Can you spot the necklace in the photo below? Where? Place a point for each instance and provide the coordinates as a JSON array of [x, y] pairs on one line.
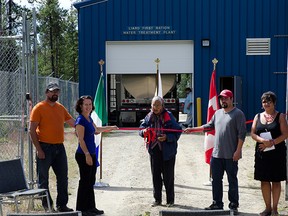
[[269, 117]]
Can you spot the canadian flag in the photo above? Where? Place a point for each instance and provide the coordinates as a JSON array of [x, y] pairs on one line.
[[212, 107]]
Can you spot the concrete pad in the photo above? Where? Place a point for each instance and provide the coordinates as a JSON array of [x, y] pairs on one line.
[[192, 213]]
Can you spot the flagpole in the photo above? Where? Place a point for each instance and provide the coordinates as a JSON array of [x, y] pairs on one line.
[[209, 136], [101, 63], [157, 61], [286, 189], [214, 61], [101, 184]]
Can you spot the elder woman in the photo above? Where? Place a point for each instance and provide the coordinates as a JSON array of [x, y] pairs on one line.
[[164, 133]]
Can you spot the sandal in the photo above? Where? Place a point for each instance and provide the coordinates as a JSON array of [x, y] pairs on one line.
[[275, 213], [266, 213]]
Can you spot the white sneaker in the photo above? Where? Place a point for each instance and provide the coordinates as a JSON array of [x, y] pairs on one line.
[[209, 183]]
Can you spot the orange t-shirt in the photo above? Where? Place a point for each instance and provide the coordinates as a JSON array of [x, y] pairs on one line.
[[51, 121]]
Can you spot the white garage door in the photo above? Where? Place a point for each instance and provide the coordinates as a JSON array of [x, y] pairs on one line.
[[138, 57]]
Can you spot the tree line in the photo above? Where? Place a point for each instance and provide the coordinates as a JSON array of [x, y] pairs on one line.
[[57, 35]]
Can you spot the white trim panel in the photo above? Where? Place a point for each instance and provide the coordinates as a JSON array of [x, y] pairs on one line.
[[138, 57]]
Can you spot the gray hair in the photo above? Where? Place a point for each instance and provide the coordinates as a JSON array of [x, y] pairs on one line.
[[158, 98]]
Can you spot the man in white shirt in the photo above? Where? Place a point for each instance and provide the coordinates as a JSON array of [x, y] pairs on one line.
[[188, 105]]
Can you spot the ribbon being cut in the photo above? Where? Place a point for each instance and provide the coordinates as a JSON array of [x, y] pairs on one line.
[[151, 132]]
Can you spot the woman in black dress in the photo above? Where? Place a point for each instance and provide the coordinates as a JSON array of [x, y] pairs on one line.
[[269, 130]]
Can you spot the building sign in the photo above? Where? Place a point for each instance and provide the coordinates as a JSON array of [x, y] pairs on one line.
[[149, 30]]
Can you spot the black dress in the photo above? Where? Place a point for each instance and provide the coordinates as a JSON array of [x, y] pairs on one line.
[[270, 165]]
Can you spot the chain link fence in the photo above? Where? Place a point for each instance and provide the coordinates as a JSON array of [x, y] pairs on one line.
[[21, 88], [19, 81], [11, 102]]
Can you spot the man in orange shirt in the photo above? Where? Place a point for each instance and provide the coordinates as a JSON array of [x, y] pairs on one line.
[[47, 133]]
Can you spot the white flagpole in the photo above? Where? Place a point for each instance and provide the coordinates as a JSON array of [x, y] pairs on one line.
[[286, 191], [100, 183], [210, 136], [158, 91]]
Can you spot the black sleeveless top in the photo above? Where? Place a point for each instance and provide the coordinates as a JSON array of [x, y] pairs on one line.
[[270, 165]]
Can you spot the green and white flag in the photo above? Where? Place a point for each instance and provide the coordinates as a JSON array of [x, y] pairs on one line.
[[99, 115]]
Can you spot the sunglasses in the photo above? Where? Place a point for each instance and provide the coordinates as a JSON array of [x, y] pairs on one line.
[[86, 97], [267, 102]]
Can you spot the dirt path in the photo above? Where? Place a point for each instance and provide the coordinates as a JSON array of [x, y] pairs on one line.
[[126, 169]]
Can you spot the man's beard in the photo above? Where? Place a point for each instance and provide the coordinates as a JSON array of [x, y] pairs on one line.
[[54, 98], [224, 105]]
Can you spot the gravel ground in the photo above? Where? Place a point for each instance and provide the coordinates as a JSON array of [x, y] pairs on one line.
[[126, 169]]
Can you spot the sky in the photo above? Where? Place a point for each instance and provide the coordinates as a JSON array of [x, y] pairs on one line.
[[63, 3]]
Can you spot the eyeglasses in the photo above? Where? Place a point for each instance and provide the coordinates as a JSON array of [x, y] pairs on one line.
[[267, 102]]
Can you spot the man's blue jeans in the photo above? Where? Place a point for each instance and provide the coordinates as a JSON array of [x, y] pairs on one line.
[[218, 166], [55, 157]]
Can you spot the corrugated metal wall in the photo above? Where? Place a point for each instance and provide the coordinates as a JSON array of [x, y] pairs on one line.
[[226, 23]]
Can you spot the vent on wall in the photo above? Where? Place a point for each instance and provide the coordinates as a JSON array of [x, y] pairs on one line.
[[258, 46]]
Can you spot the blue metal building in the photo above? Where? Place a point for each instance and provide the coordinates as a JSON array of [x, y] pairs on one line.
[[248, 37]]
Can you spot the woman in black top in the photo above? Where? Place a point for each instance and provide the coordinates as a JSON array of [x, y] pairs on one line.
[[269, 130]]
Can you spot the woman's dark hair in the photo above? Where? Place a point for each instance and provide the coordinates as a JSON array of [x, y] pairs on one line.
[[269, 96], [80, 102]]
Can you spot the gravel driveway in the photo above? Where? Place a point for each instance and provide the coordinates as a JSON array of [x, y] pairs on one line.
[[126, 169]]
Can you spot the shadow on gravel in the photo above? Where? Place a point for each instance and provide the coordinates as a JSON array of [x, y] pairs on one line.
[[115, 188], [200, 213], [121, 188], [209, 187]]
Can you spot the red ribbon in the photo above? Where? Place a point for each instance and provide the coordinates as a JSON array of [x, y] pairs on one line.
[[149, 136], [151, 132]]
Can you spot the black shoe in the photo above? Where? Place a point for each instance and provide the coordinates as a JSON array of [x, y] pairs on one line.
[[235, 211], [96, 211], [156, 203], [64, 209], [170, 204], [234, 208], [47, 209], [87, 213], [214, 206]]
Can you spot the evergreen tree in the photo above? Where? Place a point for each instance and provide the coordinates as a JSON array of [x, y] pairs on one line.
[[71, 46], [57, 36], [51, 29]]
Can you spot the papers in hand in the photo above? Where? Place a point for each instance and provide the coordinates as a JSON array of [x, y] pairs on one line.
[[267, 136]]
